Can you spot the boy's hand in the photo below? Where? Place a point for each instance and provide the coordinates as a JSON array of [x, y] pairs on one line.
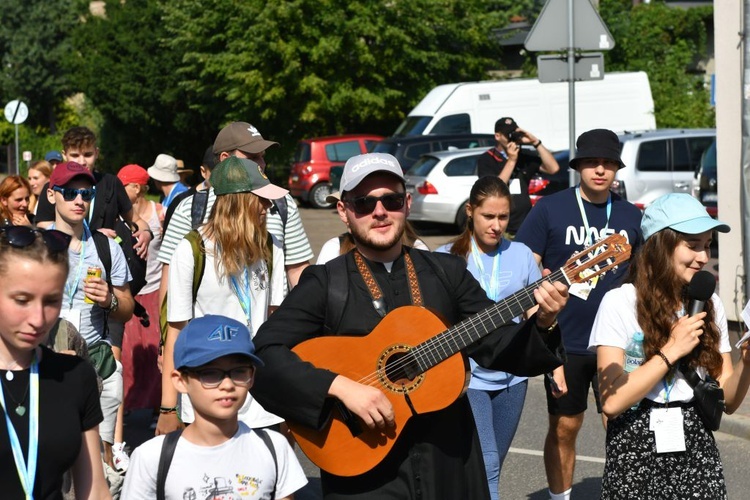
[[167, 423], [97, 290]]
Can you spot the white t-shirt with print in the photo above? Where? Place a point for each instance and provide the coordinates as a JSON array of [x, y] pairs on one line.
[[241, 467], [616, 323], [215, 296]]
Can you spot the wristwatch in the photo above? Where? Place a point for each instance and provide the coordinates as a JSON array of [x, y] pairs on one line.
[[114, 303]]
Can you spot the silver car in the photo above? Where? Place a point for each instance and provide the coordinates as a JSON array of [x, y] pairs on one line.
[[440, 183]]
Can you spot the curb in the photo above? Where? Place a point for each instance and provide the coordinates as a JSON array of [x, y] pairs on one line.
[[736, 425]]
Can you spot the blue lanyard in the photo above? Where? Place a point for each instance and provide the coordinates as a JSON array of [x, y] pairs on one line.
[[26, 473], [72, 286], [586, 220], [668, 388], [243, 295], [492, 289]]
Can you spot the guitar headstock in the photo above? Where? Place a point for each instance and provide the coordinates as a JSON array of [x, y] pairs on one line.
[[597, 259]]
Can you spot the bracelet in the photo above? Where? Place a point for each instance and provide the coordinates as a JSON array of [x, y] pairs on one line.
[[167, 409], [662, 356], [538, 143]]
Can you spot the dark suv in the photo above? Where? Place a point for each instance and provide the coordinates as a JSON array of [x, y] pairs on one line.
[[310, 175], [407, 150]]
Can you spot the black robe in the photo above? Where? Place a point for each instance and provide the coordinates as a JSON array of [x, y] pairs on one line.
[[437, 455]]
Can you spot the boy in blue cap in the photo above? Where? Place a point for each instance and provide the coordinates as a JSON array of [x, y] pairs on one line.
[[217, 454]]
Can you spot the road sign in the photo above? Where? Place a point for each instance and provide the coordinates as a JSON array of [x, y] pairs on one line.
[[588, 66], [550, 31], [16, 112], [26, 156]]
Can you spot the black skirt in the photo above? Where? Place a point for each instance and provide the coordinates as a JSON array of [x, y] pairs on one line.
[[633, 469]]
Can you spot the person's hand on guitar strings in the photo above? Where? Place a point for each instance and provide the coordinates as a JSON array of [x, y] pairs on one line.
[[368, 403], [551, 298]]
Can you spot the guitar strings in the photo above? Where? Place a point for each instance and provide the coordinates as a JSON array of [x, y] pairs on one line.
[[423, 350]]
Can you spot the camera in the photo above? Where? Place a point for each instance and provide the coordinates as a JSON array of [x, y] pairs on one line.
[[516, 136]]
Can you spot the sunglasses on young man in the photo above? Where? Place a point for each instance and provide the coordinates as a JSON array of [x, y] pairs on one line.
[[70, 194], [23, 236], [365, 205]]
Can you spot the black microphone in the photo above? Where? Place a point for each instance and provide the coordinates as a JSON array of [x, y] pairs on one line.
[[700, 289]]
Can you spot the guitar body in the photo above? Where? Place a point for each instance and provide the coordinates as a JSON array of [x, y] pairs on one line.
[[367, 359]]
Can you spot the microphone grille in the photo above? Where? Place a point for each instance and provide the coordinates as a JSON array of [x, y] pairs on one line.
[[702, 286]]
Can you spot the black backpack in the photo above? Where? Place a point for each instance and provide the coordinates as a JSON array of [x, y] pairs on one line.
[[136, 264]]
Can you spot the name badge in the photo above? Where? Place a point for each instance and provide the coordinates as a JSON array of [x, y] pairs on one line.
[[515, 186], [669, 431], [73, 316]]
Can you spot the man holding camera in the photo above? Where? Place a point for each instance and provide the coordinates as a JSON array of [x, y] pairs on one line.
[[515, 167]]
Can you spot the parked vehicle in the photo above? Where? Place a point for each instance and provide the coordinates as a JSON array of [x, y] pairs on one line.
[[619, 102], [407, 150], [309, 177], [704, 181], [440, 183]]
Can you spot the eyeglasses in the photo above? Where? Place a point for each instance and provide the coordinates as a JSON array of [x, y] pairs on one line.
[[211, 378], [22, 237], [70, 194], [365, 205]]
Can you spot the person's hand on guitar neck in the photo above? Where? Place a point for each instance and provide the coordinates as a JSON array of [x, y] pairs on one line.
[[368, 403], [551, 298]]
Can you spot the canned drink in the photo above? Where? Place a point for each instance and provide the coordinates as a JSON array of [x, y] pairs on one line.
[[92, 272]]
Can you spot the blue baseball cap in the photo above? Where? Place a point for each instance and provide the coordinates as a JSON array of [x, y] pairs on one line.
[[211, 337], [680, 212], [53, 156]]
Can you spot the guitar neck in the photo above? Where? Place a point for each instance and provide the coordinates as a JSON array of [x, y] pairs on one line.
[[462, 334]]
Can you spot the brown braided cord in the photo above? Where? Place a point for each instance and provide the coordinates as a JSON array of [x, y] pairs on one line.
[[372, 285]]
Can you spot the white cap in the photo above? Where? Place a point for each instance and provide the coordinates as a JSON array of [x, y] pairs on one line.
[[360, 166]]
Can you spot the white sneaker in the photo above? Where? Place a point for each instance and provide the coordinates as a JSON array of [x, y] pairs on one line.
[[120, 457]]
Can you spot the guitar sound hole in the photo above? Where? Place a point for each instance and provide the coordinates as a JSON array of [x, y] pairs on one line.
[[399, 369]]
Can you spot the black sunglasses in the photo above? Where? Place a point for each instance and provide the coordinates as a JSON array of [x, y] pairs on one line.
[[210, 378], [23, 236], [364, 205], [70, 194]]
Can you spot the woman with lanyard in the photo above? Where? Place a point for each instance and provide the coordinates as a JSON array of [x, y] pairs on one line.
[[657, 444], [502, 267], [235, 282], [50, 401]]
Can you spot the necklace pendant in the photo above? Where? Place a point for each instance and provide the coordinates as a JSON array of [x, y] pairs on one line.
[[20, 410], [9, 376]]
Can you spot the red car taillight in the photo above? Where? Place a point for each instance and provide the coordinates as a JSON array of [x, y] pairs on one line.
[[426, 188]]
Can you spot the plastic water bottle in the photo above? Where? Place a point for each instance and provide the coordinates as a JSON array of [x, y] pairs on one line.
[[634, 356]]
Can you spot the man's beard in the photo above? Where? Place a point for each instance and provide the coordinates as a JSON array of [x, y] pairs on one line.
[[362, 238]]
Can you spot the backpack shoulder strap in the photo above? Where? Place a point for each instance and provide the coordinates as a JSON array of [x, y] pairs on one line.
[[338, 290], [198, 208], [101, 242], [283, 208], [165, 460], [199, 258], [267, 441]]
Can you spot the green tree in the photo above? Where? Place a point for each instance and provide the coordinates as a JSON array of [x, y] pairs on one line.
[[313, 67], [665, 42], [34, 40], [130, 77]]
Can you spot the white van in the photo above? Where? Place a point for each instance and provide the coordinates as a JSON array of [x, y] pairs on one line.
[[620, 102]]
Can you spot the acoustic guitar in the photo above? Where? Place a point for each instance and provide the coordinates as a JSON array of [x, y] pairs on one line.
[[418, 364]]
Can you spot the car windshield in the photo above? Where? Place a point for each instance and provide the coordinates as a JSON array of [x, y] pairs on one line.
[[423, 166], [302, 153], [385, 147], [413, 125]]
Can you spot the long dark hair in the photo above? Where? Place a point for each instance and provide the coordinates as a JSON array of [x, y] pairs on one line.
[[483, 188], [660, 294]]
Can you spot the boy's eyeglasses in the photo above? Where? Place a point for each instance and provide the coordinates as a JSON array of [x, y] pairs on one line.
[[70, 194], [365, 205], [23, 236], [211, 378]]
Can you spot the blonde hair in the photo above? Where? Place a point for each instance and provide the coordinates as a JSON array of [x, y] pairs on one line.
[[238, 232], [45, 168]]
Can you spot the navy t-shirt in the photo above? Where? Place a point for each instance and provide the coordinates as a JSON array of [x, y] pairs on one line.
[[555, 230]]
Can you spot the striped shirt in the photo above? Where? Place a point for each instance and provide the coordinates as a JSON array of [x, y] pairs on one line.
[[292, 237]]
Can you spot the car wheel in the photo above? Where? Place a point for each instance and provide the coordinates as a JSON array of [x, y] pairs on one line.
[[318, 194], [461, 217]]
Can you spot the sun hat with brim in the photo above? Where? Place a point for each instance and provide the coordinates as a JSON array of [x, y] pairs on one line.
[[240, 175], [164, 169], [680, 212], [597, 143], [211, 337]]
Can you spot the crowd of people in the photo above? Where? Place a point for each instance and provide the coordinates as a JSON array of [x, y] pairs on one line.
[[202, 308]]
